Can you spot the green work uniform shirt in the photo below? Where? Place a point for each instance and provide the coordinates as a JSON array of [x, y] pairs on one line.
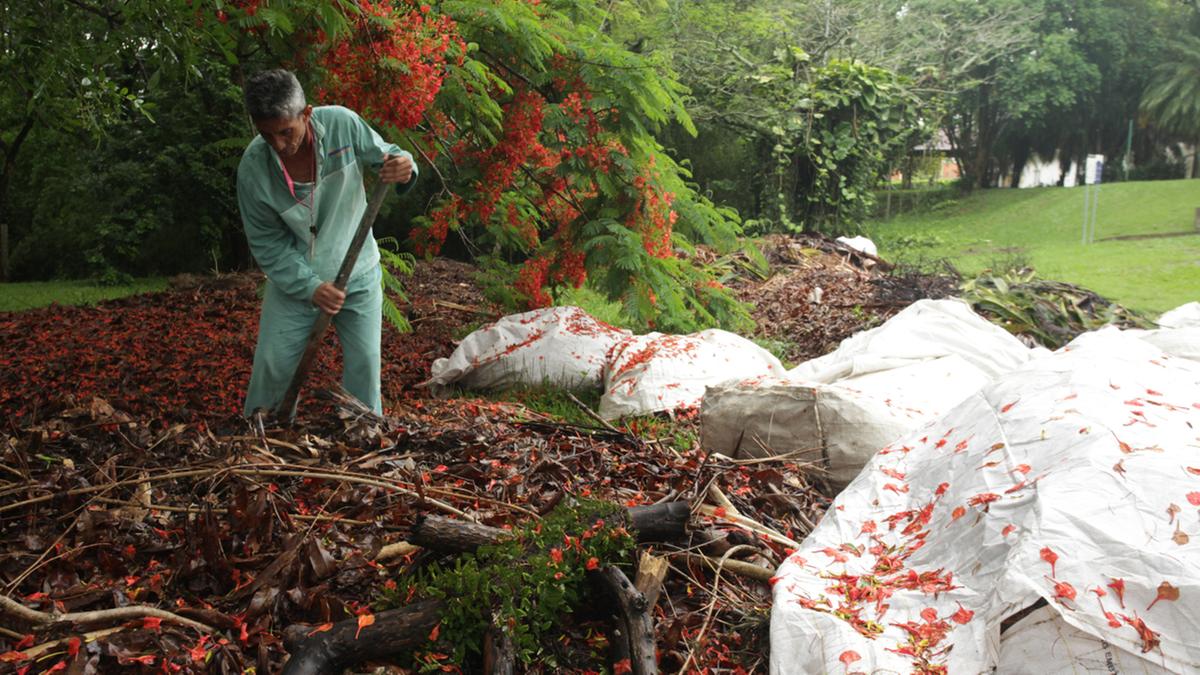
[[299, 240]]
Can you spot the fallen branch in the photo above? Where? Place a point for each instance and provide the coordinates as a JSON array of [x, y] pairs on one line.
[[656, 522], [738, 567], [45, 619], [634, 619], [37, 650], [712, 604], [594, 415], [748, 524], [332, 648]]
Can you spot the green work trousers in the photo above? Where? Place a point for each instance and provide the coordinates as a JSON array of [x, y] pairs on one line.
[[283, 332]]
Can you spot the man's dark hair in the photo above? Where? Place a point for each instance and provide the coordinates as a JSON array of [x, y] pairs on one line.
[[274, 94]]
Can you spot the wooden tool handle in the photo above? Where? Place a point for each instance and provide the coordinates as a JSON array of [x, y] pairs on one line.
[[287, 405]]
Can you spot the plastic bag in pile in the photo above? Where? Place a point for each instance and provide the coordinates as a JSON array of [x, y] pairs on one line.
[[1183, 316], [1074, 479], [560, 346], [656, 372], [877, 386], [925, 330], [1183, 343], [842, 424]]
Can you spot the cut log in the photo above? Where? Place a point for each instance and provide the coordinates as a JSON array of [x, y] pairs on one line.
[[446, 535], [655, 523], [660, 522], [499, 655], [314, 651], [634, 620]]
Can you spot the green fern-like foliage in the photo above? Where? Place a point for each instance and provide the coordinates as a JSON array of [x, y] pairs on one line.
[[395, 265]]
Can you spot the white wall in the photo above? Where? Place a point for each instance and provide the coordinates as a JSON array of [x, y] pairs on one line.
[[1042, 173]]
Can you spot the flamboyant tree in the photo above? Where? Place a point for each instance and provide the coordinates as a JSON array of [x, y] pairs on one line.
[[537, 132]]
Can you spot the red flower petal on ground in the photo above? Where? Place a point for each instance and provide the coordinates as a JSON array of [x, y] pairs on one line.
[[1050, 557], [963, 615], [1118, 586], [364, 620]]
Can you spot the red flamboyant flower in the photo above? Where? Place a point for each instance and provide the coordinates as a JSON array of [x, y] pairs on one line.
[[1050, 557]]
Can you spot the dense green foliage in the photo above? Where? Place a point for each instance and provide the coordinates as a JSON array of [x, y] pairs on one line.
[[527, 584], [568, 142], [799, 134]]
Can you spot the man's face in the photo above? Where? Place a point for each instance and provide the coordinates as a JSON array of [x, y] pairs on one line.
[[285, 134]]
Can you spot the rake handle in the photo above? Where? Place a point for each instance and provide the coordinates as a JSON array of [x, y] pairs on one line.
[[287, 406]]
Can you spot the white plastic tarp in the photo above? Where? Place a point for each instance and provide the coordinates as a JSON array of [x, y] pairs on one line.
[[875, 387], [560, 346], [1183, 316], [1074, 479], [925, 330], [863, 244], [656, 372]]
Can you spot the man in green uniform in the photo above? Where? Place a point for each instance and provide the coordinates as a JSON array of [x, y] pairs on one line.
[[300, 192]]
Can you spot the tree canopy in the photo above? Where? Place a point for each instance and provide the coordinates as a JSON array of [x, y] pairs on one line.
[[565, 142]]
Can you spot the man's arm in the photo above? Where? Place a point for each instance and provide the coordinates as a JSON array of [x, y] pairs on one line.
[[393, 164], [273, 246]]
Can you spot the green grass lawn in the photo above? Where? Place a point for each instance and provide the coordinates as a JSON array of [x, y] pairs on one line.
[[15, 297], [1042, 228]]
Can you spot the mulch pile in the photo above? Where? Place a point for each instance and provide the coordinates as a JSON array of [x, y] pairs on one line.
[[128, 478], [821, 292], [246, 531], [186, 354]]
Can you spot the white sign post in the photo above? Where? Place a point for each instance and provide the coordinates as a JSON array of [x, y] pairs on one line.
[[1093, 170]]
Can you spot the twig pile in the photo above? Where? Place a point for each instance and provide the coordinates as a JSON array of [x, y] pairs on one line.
[[192, 548]]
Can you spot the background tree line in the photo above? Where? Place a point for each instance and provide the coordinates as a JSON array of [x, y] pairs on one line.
[[635, 129]]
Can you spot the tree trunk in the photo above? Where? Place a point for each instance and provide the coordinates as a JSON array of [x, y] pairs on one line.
[[1019, 160], [6, 172], [1194, 166]]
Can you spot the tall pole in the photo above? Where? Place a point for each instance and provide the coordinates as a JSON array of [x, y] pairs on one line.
[[1128, 150]]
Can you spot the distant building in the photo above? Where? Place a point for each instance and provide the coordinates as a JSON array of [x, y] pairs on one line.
[[1043, 173]]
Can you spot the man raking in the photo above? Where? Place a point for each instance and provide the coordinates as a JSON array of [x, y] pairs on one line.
[[300, 192]]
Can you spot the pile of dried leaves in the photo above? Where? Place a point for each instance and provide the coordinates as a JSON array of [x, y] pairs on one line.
[[148, 527], [821, 292], [186, 354], [191, 549]]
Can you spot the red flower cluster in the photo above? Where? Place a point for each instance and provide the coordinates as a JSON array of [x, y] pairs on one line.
[[532, 281], [652, 215], [392, 64]]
